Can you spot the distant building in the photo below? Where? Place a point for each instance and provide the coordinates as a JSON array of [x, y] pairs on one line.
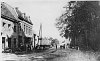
[[9, 26], [25, 30], [65, 43]]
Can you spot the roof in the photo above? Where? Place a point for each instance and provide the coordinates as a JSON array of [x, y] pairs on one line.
[[5, 11], [8, 11], [19, 13], [22, 16], [28, 19]]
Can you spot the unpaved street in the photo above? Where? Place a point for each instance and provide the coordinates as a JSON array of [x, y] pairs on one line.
[[56, 55]]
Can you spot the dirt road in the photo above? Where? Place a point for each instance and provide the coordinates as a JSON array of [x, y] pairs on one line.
[[58, 55]]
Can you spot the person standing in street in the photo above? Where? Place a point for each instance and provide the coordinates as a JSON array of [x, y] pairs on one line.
[[56, 46]]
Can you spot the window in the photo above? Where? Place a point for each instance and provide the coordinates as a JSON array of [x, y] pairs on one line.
[[14, 42], [24, 28], [3, 24], [9, 42], [9, 25], [29, 31], [1, 6], [3, 39], [20, 28], [14, 28], [3, 42], [1, 33]]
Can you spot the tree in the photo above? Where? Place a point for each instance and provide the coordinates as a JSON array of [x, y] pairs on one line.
[[81, 23], [54, 42]]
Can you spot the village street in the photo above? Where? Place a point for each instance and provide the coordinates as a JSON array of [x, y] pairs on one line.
[[53, 55], [50, 30]]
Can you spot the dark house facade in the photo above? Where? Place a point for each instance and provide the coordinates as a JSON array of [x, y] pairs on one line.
[[16, 30], [25, 31], [9, 26]]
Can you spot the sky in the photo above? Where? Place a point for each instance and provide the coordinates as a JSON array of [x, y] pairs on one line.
[[41, 11]]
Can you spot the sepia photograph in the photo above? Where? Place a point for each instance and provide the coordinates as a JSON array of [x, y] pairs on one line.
[[50, 30]]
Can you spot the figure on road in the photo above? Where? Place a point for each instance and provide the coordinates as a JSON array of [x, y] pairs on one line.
[[56, 46]]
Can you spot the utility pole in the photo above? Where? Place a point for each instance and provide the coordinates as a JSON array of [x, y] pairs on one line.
[[34, 40], [40, 34]]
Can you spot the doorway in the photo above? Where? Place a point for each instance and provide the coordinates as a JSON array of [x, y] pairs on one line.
[[14, 42], [3, 42], [9, 43]]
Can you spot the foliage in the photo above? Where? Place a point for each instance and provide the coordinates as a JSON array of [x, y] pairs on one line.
[[53, 41], [81, 23]]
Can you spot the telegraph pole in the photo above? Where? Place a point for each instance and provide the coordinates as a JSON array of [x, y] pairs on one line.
[[34, 40], [40, 34]]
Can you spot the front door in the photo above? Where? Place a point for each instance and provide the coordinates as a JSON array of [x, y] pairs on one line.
[[14, 42], [9, 43]]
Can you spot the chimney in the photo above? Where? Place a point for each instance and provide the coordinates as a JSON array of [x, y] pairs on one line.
[[16, 8], [24, 15], [28, 18]]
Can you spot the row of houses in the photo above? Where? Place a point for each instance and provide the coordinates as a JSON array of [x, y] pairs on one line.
[[16, 33]]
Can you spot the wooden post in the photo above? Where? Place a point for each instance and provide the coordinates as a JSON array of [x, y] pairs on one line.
[[26, 48]]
